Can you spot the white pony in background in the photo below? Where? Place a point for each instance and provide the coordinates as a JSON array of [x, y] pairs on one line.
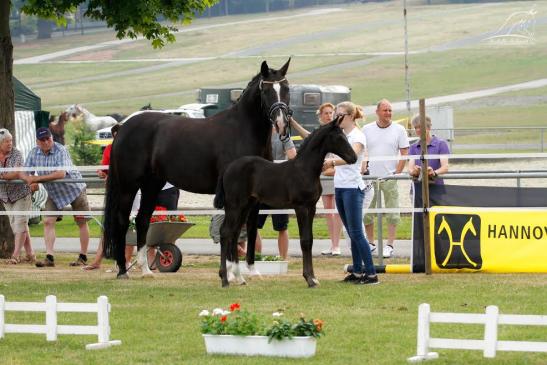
[[91, 120]]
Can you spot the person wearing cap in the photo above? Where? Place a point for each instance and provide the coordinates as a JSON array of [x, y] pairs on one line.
[[15, 197], [48, 153]]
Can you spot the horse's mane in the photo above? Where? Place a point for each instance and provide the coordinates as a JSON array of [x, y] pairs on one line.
[[312, 135], [251, 83]]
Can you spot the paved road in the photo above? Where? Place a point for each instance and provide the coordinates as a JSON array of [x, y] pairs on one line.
[[197, 246]]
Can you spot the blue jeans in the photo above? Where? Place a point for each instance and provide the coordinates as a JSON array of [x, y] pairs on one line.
[[349, 202]]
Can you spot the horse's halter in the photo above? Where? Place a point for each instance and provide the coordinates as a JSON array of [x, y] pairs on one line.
[[278, 106]]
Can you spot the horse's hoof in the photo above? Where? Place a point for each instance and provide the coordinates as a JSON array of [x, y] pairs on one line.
[[225, 284], [123, 276], [231, 277], [313, 283]]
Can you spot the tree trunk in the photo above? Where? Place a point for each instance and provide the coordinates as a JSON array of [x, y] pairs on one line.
[[6, 236], [7, 115]]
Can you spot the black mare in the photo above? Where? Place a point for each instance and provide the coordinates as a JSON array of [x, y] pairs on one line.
[[154, 148], [291, 184]]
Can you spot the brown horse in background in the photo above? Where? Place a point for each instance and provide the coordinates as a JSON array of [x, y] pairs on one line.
[[57, 127]]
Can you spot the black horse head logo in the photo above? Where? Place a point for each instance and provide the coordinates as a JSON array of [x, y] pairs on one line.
[[454, 253]]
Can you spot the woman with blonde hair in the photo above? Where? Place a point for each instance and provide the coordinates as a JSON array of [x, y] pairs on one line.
[[349, 190]]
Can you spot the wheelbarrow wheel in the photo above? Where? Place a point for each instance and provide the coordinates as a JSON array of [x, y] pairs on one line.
[[168, 258]]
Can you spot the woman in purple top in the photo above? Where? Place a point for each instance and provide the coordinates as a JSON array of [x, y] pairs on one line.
[[435, 146]]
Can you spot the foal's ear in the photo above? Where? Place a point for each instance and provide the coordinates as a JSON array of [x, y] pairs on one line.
[[336, 122], [283, 70], [264, 69]]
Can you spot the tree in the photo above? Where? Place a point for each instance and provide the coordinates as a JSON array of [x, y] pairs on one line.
[[130, 18]]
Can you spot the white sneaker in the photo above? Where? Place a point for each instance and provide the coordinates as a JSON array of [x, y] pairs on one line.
[[331, 252], [388, 251], [372, 247]]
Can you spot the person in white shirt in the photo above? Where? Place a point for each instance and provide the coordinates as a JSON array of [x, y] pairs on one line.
[[385, 138], [349, 191]]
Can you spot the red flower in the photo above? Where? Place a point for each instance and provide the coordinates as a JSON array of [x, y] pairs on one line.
[[223, 319], [234, 307]]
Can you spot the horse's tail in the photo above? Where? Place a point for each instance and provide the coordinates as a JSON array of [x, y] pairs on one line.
[[111, 209], [218, 202]]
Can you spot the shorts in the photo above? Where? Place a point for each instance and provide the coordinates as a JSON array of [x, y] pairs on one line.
[[328, 186], [78, 204], [390, 193], [280, 222], [19, 223], [169, 198], [214, 229]]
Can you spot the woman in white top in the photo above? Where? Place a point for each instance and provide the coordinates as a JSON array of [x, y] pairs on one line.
[[349, 190]]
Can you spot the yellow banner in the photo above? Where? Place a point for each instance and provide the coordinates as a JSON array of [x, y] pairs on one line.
[[489, 241]]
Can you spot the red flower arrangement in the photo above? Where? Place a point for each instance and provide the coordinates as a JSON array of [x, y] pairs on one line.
[[165, 217]]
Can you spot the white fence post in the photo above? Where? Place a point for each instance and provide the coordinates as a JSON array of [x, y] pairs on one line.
[[422, 351], [52, 329], [489, 344], [423, 329], [491, 331], [2, 317], [51, 318], [102, 319]]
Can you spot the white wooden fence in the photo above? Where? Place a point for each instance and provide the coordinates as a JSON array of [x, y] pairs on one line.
[[51, 329], [489, 345]]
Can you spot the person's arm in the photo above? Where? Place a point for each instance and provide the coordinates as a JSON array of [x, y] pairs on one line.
[[413, 169], [291, 153], [54, 175], [332, 162], [13, 175], [301, 130], [401, 163], [444, 150]]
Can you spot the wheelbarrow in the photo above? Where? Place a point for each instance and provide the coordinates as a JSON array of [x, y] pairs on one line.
[[162, 236]]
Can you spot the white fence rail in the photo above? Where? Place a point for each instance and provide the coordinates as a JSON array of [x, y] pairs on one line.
[[51, 328], [489, 344]]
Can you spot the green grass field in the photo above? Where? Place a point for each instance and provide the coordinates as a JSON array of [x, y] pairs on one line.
[[157, 320]]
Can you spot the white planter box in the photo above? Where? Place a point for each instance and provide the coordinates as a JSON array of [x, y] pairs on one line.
[[259, 346], [267, 267]]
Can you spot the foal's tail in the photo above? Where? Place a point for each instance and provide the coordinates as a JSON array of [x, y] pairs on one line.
[[218, 202], [111, 209]]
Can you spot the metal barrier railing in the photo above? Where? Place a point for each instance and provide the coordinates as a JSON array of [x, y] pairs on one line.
[[496, 174]]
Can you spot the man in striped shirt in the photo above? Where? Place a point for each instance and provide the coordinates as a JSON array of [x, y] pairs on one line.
[[52, 154]]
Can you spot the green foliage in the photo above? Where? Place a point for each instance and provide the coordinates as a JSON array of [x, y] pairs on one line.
[[282, 328], [81, 151], [240, 322], [129, 18], [259, 257]]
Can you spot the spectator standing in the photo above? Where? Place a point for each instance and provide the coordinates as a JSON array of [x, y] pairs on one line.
[[15, 197], [349, 190], [52, 154], [281, 150], [435, 146], [386, 139]]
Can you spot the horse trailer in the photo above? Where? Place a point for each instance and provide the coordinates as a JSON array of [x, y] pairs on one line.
[[305, 100]]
